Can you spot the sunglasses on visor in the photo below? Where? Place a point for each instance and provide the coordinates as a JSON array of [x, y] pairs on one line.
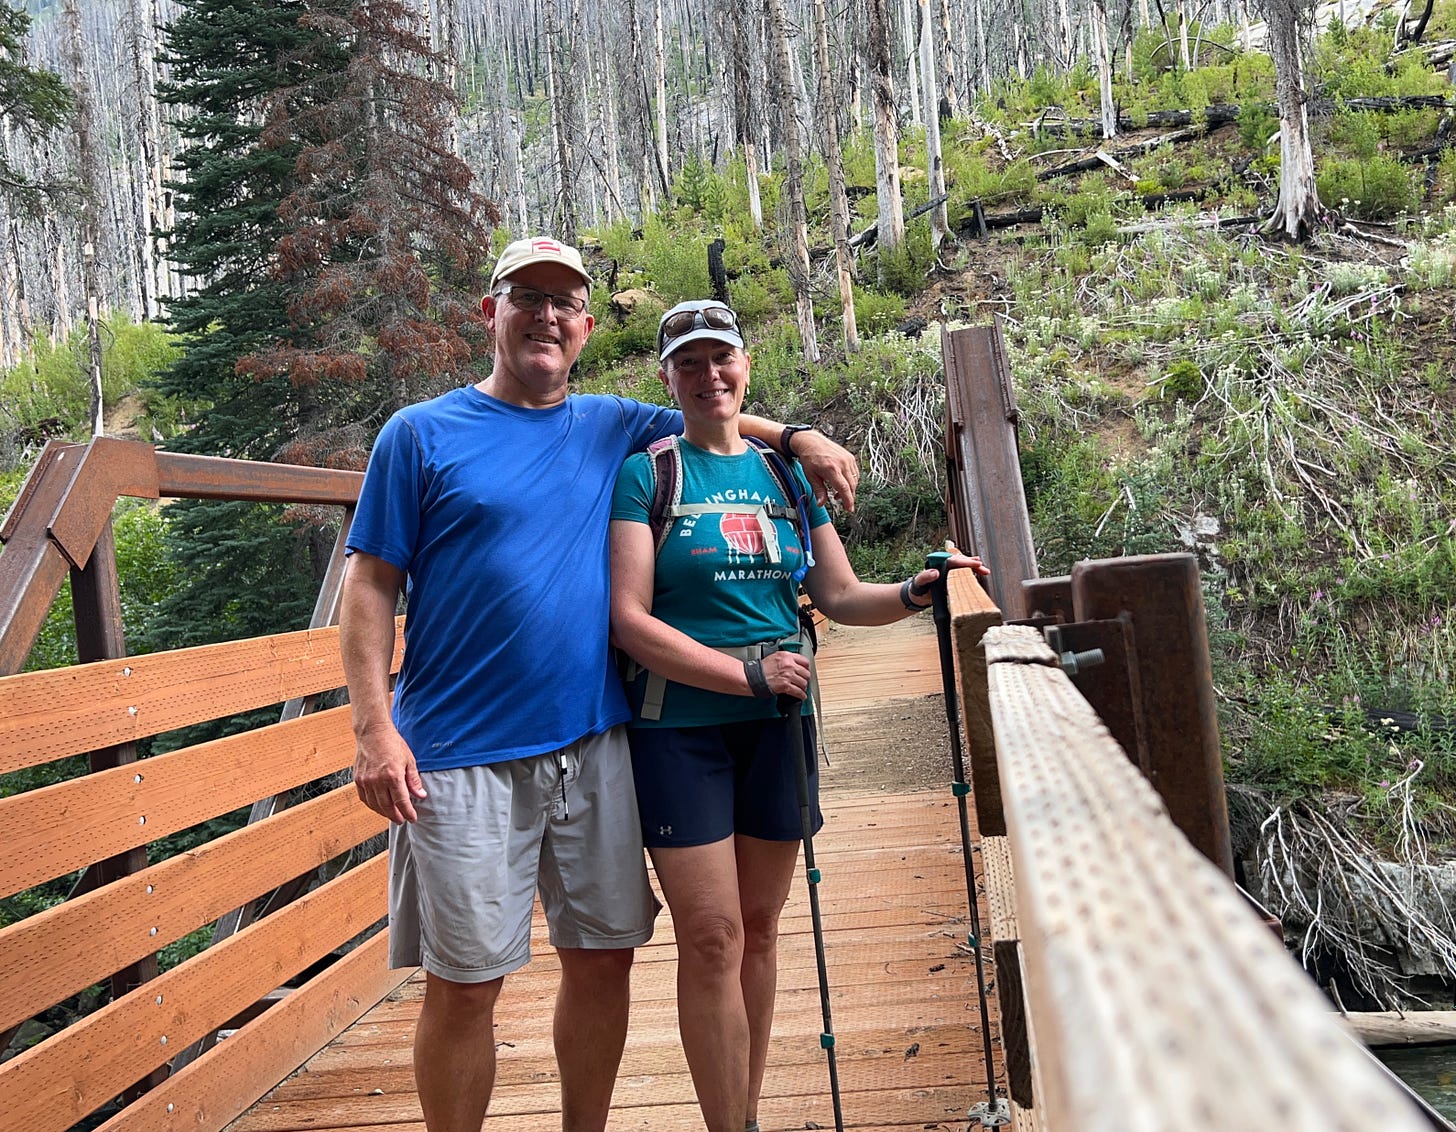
[[684, 322]]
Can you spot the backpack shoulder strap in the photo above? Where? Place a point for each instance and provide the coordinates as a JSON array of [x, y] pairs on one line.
[[797, 498], [665, 459]]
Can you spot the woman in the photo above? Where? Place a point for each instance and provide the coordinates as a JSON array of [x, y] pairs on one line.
[[715, 784]]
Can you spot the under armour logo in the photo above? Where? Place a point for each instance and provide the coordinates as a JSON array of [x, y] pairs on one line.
[[664, 831]]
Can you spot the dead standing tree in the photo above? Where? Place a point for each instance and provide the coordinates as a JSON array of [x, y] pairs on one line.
[[1298, 208], [890, 233], [834, 161], [89, 160], [797, 236]]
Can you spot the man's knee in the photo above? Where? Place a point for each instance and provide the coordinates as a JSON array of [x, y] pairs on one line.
[[462, 998], [605, 964]]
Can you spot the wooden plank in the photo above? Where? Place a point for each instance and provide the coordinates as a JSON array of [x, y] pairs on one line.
[[887, 1002], [539, 1110], [67, 711], [222, 1083], [355, 1055], [59, 828], [1000, 888], [52, 1085], [531, 1081], [66, 948], [1140, 954], [1414, 1027], [972, 613]]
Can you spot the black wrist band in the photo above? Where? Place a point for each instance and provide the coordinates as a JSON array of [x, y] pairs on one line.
[[905, 591], [919, 591], [786, 438], [757, 681]]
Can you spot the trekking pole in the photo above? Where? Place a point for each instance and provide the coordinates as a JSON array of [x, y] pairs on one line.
[[991, 1112], [791, 709]]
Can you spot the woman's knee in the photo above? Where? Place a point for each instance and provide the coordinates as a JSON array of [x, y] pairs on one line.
[[760, 930], [711, 942]]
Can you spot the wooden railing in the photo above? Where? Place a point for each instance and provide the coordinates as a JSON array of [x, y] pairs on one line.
[[151, 1047], [1138, 987]]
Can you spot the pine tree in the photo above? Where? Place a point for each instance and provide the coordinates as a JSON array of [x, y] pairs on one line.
[[35, 101], [385, 239], [248, 571], [227, 58]]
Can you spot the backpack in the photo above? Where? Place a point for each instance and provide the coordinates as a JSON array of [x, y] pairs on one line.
[[667, 505]]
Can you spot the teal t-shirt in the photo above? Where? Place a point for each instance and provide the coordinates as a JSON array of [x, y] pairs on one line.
[[714, 579]]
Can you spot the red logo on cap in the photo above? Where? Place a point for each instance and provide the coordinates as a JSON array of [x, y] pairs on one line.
[[545, 246]]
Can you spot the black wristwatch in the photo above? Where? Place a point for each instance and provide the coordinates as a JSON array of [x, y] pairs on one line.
[[786, 440]]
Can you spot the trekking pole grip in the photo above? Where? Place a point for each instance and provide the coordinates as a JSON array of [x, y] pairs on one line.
[[940, 589]]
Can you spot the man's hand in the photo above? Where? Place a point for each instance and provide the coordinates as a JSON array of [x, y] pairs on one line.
[[385, 774], [833, 471]]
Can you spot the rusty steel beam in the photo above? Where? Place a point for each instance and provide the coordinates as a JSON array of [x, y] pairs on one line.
[[1113, 687], [1049, 598], [107, 470], [1161, 597], [213, 477], [985, 499], [67, 501]]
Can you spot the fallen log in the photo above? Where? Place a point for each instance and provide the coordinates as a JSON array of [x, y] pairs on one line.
[[1223, 113], [872, 233], [1413, 1028], [1087, 164]]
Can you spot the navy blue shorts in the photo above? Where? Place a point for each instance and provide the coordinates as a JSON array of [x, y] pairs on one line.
[[697, 785]]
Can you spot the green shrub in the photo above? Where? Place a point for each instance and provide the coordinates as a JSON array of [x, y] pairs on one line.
[[876, 312], [675, 261], [1257, 123], [1379, 188], [51, 390]]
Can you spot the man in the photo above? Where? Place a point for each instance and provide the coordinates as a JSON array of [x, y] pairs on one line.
[[503, 767]]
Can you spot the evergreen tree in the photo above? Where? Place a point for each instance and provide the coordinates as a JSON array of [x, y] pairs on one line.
[[247, 570], [33, 100], [227, 59], [385, 238]]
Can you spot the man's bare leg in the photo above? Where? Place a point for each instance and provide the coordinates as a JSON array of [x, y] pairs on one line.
[[590, 1030], [455, 1053]]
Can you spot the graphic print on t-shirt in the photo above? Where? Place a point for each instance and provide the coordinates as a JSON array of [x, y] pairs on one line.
[[742, 534]]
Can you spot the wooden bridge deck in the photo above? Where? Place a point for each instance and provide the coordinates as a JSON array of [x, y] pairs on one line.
[[904, 1000]]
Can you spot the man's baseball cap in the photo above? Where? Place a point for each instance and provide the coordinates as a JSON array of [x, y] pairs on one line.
[[538, 249]]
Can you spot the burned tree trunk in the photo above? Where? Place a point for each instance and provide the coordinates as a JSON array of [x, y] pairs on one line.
[[798, 226], [1298, 208]]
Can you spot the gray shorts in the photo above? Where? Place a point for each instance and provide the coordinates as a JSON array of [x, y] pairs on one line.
[[462, 879]]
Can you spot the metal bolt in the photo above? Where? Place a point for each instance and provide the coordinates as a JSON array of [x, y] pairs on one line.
[[1074, 662]]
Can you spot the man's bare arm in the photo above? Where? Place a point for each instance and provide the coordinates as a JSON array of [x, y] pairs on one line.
[[385, 774], [831, 468]]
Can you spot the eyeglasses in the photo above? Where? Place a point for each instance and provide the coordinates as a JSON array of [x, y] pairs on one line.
[[684, 322], [530, 299]]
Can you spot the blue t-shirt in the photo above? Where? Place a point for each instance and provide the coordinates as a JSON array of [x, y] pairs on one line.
[[498, 515], [714, 579]]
